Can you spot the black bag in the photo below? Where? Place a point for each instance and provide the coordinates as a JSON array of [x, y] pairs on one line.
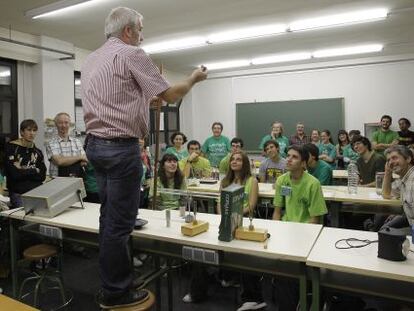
[[73, 170]]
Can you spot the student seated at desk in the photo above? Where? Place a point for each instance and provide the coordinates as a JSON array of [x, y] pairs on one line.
[[236, 145], [178, 140], [169, 177], [327, 151], [251, 296], [318, 168], [344, 152], [369, 162], [195, 165], [24, 163], [300, 194], [274, 165], [277, 135], [400, 160]]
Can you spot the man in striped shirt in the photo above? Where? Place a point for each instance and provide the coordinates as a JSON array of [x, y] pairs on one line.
[[119, 81]]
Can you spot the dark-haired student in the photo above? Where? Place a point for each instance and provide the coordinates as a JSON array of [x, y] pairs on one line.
[[236, 145], [24, 163], [318, 168], [178, 140], [384, 137], [274, 165], [369, 162], [169, 177], [195, 165], [405, 136], [300, 194], [344, 151]]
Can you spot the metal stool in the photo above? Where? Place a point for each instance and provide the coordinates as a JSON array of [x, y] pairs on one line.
[[41, 252], [144, 306]]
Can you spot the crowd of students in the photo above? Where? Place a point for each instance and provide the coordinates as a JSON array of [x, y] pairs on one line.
[[297, 166]]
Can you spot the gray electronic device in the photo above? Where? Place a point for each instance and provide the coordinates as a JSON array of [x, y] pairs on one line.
[[53, 197]]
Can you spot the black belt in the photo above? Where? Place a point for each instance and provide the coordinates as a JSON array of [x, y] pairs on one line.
[[115, 139]]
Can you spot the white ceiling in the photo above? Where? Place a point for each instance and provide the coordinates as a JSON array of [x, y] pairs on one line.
[[168, 19]]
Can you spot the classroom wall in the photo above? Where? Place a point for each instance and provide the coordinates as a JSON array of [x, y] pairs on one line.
[[369, 91]]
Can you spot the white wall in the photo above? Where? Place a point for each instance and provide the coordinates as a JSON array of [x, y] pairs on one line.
[[369, 91]]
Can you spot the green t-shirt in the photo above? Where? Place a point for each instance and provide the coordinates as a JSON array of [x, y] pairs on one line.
[[183, 153], [322, 172], [330, 151], [302, 199], [224, 164], [215, 149], [200, 168], [381, 137], [166, 200], [283, 142], [347, 152], [90, 180]]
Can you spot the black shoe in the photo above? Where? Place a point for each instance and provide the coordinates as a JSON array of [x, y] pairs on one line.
[[131, 298]]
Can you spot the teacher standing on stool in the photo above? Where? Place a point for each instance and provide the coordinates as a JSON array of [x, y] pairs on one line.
[[118, 83]]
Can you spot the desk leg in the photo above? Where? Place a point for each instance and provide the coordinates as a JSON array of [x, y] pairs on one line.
[[158, 284], [13, 257], [211, 206], [316, 295], [303, 289], [169, 285], [334, 209]]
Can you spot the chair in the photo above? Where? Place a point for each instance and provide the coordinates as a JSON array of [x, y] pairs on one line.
[[144, 306], [42, 252]]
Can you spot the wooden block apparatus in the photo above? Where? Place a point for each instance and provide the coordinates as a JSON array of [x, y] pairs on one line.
[[194, 228], [251, 234]]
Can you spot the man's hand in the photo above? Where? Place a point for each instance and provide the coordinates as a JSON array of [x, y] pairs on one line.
[[156, 102], [387, 168], [199, 74]]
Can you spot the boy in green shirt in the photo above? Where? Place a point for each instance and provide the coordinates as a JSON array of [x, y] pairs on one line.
[[195, 165], [319, 169], [298, 192]]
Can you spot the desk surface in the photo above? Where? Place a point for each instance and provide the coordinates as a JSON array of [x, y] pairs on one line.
[[7, 303], [365, 195], [362, 261], [288, 241], [343, 174]]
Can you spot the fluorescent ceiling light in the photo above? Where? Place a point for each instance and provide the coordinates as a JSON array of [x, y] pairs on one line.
[[339, 19], [4, 74], [174, 45], [247, 33], [371, 48], [227, 64], [279, 58], [58, 7]]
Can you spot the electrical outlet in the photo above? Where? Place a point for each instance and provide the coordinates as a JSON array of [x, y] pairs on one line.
[[53, 232], [200, 255]]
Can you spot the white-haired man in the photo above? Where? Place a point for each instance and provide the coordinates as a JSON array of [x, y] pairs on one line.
[[119, 81]]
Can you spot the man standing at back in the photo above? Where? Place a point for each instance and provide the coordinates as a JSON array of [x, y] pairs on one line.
[[384, 137], [118, 83]]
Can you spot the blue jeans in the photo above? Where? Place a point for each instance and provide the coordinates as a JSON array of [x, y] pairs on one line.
[[118, 172]]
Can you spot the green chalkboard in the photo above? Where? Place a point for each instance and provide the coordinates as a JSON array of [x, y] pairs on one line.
[[253, 120]]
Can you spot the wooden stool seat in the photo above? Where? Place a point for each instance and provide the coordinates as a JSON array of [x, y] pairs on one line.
[[144, 306], [40, 251]]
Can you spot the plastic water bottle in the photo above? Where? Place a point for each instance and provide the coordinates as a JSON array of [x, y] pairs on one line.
[[353, 178]]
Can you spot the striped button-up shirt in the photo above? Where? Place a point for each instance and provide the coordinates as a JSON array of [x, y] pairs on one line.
[[118, 82], [407, 195]]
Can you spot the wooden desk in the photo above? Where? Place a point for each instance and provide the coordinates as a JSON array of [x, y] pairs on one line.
[[286, 253], [380, 277], [8, 304]]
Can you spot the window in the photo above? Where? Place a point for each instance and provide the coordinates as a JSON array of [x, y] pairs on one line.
[[8, 100]]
